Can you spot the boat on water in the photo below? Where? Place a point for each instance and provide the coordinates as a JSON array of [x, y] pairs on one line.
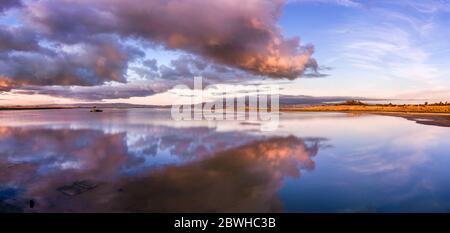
[[95, 109]]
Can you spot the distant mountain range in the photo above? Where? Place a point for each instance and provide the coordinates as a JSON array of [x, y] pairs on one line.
[[293, 100], [285, 101]]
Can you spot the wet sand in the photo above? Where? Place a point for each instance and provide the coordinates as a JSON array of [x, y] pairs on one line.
[[436, 119]]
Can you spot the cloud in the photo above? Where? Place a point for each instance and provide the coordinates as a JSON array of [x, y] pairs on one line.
[[249, 170], [395, 47], [427, 7], [187, 66], [88, 63], [346, 3], [5, 84], [152, 79], [17, 39], [247, 178], [77, 48], [92, 93], [244, 35], [7, 4]]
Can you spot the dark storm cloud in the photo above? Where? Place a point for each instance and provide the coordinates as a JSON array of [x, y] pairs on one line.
[[58, 44], [17, 39], [91, 63], [189, 67], [93, 93], [6, 4], [242, 34], [153, 79]]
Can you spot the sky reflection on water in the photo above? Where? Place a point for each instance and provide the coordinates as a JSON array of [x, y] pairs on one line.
[[141, 161]]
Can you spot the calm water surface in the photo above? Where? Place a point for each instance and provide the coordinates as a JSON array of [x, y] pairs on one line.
[[138, 160]]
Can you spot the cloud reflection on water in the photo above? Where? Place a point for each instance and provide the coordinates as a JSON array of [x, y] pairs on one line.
[[243, 171]]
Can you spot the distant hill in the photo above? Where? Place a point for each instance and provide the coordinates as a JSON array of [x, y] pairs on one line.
[[285, 101], [293, 100], [80, 105]]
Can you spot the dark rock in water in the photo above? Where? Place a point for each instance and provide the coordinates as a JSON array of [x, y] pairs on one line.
[[95, 109], [32, 203], [77, 188]]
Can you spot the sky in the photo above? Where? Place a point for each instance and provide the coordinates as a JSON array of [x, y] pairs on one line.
[[136, 51]]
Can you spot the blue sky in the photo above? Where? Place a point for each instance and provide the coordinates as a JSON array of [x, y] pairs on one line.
[[380, 49], [376, 48]]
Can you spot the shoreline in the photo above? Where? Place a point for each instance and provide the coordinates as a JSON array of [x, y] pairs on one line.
[[66, 108], [33, 108], [436, 115], [435, 108]]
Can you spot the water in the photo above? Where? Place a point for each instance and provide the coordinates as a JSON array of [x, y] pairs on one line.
[[138, 160]]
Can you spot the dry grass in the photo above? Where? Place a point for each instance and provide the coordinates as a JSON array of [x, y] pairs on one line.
[[373, 108]]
